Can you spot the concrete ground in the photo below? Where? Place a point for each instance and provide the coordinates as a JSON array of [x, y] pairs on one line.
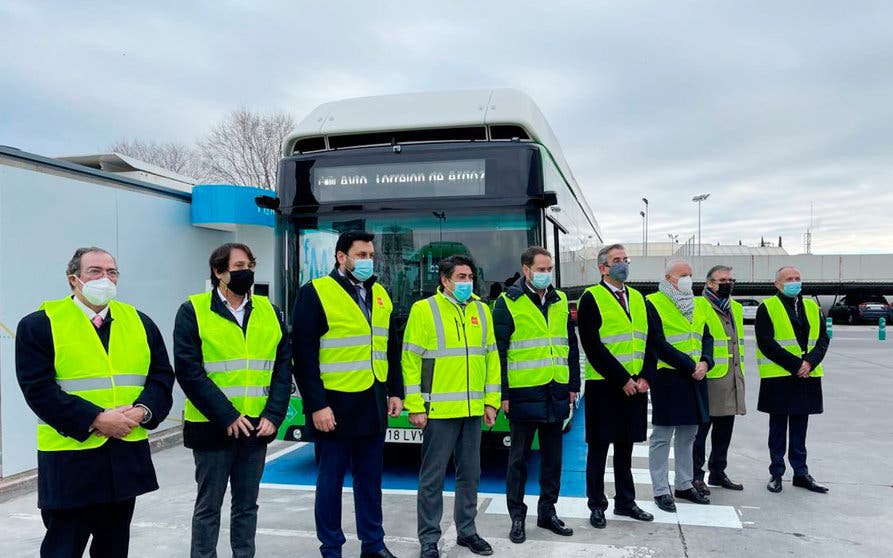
[[850, 448]]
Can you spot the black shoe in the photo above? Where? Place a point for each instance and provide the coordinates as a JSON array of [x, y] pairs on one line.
[[692, 495], [774, 485], [635, 512], [807, 482], [383, 553], [476, 544], [597, 519], [517, 534], [429, 551], [701, 487], [555, 525], [724, 482], [666, 503]]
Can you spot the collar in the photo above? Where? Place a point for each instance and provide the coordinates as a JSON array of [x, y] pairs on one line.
[[226, 302], [89, 311], [614, 289]]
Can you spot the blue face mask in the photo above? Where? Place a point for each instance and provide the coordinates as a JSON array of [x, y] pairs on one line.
[[362, 269], [619, 271], [792, 288], [541, 279], [462, 290]]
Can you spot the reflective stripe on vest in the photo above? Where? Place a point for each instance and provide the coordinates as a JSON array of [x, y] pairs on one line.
[[239, 363], [785, 336], [353, 353], [723, 345], [458, 357], [624, 336], [84, 368], [538, 349], [684, 335]]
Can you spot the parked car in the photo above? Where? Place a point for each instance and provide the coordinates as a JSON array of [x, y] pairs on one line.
[[749, 308], [854, 309]]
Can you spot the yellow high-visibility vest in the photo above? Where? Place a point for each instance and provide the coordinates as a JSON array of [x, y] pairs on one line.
[[538, 348], [684, 335], [785, 336], [723, 345], [623, 335]]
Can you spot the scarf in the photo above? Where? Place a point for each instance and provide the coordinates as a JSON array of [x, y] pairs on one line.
[[684, 302], [723, 304]]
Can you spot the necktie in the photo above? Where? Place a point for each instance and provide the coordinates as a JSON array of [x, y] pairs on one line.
[[362, 302], [622, 298], [97, 321]]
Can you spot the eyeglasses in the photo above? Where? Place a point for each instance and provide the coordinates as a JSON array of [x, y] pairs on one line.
[[97, 272], [241, 265], [724, 281], [624, 260]]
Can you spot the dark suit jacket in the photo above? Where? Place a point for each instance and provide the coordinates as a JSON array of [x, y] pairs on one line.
[[113, 472], [357, 414], [207, 397]]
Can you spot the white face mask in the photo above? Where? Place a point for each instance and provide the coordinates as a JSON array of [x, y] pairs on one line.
[[684, 285], [99, 291]]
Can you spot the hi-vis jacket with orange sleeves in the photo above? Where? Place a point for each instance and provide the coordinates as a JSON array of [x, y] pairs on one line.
[[450, 361]]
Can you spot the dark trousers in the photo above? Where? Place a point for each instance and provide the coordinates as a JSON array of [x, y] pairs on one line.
[[459, 438], [550, 467], [625, 489], [720, 438], [779, 426], [69, 529], [365, 456], [240, 466]]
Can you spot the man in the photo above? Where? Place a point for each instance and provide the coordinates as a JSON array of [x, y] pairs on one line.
[[95, 371], [680, 343], [232, 360], [613, 330], [791, 344], [451, 371], [347, 367], [725, 381], [540, 365]]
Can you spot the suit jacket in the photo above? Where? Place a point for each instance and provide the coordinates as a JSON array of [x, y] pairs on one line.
[[113, 472], [207, 397], [357, 414]]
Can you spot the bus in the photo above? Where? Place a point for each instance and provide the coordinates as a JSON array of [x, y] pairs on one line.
[[478, 173]]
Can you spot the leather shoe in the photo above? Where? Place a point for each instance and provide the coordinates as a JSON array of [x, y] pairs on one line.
[[476, 544], [597, 519], [692, 495], [555, 525], [383, 553], [701, 487], [666, 503], [774, 485], [429, 551], [517, 534], [807, 482], [635, 512], [724, 482]]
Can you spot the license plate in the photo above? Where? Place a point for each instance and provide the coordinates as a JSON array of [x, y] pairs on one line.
[[403, 436]]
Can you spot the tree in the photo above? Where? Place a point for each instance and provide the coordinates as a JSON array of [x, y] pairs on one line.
[[244, 148], [175, 157]]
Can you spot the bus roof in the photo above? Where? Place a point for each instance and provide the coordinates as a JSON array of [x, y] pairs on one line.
[[477, 114]]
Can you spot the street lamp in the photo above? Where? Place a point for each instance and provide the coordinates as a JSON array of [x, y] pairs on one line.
[[646, 225], [644, 242], [699, 199]]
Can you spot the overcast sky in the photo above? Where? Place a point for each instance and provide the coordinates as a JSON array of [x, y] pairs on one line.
[[767, 106]]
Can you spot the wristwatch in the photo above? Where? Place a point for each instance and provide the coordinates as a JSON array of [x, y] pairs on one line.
[[148, 416]]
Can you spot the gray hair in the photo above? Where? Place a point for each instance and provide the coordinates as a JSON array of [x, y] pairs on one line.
[[782, 268], [603, 253], [74, 264], [716, 268], [673, 263]]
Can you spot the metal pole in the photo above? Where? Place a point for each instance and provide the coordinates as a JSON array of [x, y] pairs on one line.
[[699, 227]]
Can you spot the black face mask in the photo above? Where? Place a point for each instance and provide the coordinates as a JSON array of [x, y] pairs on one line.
[[240, 281], [724, 290]]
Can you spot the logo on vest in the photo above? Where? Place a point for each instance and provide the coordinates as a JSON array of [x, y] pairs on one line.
[[380, 301], [474, 320]]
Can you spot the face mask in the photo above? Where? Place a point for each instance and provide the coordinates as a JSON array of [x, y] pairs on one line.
[[462, 290], [541, 279], [724, 290], [240, 281], [792, 288], [683, 285], [99, 291], [362, 269], [619, 271]]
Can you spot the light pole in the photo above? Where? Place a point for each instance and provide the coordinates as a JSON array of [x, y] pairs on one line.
[[699, 199], [646, 225], [644, 250]]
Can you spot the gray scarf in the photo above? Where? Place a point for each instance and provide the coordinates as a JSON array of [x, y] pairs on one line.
[[684, 302]]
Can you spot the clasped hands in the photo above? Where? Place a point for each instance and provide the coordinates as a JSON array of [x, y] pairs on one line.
[[118, 422]]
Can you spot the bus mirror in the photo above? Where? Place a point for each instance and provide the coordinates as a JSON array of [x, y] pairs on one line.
[[267, 202], [550, 198]]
